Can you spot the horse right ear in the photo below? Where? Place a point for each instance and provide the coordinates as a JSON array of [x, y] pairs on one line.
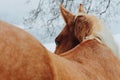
[[81, 9], [67, 16]]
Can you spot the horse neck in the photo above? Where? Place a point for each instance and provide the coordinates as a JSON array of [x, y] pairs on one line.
[[89, 50], [107, 38]]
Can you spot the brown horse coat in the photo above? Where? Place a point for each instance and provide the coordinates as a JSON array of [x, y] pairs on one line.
[[22, 57]]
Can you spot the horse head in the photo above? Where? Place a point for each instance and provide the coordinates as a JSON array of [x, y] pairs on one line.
[[80, 27], [66, 38], [75, 31]]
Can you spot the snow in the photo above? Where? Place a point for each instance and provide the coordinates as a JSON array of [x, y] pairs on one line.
[[117, 39], [50, 46]]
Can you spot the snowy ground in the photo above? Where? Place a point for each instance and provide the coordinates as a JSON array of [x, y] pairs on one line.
[[117, 39], [50, 46]]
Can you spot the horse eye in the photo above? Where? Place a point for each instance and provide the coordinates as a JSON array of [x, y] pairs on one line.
[[57, 42]]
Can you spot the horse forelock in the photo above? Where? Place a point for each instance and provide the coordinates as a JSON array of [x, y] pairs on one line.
[[97, 27], [78, 14]]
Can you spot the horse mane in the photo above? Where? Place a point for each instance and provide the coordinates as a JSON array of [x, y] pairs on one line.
[[104, 34], [101, 33]]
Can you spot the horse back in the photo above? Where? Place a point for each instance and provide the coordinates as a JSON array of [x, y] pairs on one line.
[[22, 57]]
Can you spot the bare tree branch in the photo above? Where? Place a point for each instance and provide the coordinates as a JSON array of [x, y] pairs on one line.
[[106, 8], [52, 19], [38, 10], [118, 3], [62, 1], [71, 5], [28, 1], [89, 6]]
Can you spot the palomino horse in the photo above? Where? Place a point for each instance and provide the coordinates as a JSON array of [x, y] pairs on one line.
[[79, 27], [22, 57]]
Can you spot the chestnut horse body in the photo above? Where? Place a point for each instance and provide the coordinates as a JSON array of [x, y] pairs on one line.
[[22, 57]]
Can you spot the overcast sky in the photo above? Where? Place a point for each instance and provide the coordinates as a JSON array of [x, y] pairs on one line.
[[14, 10]]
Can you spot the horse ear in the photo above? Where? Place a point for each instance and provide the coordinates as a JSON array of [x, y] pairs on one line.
[[81, 9], [67, 16]]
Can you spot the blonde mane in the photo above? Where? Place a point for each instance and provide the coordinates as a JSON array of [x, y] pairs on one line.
[[102, 33]]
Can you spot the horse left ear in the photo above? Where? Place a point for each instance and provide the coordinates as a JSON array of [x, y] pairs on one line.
[[81, 9], [68, 17]]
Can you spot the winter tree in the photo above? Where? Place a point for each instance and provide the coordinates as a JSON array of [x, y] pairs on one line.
[[47, 20]]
